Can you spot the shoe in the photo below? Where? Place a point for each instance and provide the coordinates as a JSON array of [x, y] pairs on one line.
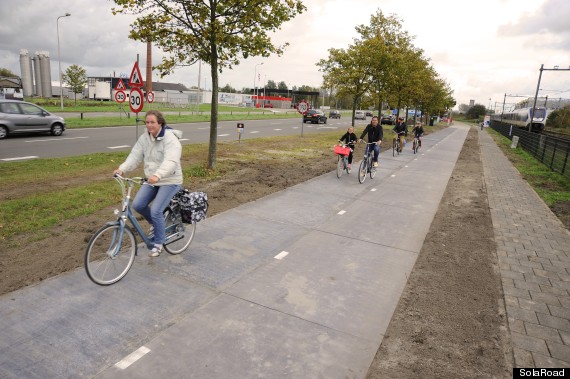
[[375, 164], [349, 166], [156, 250], [151, 230]]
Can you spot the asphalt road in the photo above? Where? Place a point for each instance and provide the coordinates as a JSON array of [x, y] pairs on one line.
[[76, 142]]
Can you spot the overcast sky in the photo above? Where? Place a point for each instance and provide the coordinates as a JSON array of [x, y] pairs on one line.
[[483, 48]]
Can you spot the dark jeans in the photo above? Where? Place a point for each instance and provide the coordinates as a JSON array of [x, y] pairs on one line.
[[376, 151]]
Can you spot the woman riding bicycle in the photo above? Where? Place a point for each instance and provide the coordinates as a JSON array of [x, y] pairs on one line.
[[375, 135], [160, 150], [402, 130], [350, 139]]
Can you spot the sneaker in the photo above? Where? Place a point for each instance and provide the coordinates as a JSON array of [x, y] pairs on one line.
[[156, 250], [375, 164]]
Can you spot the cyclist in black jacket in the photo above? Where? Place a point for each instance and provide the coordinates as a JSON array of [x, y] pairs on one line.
[[402, 130], [350, 139], [375, 134]]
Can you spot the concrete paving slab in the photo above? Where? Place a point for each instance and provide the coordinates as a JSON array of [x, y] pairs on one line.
[[71, 327], [335, 281], [230, 245], [383, 224], [233, 338]]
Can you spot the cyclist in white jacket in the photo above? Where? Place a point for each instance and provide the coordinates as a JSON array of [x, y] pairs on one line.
[[160, 151]]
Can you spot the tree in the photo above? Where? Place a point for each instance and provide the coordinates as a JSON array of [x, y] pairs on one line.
[[282, 86], [228, 89], [219, 32], [476, 111], [271, 85], [76, 78], [7, 73]]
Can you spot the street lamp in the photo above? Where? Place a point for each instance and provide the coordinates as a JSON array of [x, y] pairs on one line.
[[255, 84], [59, 61]]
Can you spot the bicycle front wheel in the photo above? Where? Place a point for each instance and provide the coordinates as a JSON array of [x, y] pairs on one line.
[[362, 170], [339, 166], [179, 235], [110, 254]]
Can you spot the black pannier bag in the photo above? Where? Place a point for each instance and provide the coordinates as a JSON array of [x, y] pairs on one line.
[[193, 205]]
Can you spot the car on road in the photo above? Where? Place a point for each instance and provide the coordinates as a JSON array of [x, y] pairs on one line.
[[334, 114], [387, 120], [268, 105], [315, 116], [359, 115], [369, 114], [23, 117]]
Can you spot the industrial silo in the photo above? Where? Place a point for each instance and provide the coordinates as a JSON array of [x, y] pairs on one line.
[[37, 74], [46, 74], [27, 76]]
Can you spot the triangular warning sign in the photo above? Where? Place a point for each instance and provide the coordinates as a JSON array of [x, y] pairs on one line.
[[120, 86], [135, 80]]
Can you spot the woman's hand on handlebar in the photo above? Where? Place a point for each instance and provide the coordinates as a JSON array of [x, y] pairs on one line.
[[153, 179], [117, 172]]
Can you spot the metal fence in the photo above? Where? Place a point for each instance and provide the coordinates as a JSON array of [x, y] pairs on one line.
[[552, 151]]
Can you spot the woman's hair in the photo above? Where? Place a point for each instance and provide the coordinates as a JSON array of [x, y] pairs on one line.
[[159, 116]]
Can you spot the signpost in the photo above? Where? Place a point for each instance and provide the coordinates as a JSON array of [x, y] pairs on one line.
[[150, 97], [302, 108], [120, 96], [240, 127], [136, 100]]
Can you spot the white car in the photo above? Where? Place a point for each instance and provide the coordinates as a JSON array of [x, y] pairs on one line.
[[359, 115]]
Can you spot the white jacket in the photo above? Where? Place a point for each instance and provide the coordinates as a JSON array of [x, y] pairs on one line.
[[161, 156]]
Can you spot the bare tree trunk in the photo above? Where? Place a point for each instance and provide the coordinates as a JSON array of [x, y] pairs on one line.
[[213, 147]]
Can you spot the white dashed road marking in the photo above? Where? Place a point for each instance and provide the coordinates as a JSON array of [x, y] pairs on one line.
[[20, 158], [281, 255], [132, 357]]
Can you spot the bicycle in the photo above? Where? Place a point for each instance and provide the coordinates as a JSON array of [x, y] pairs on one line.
[[367, 166], [111, 251], [396, 146], [342, 151], [417, 144]]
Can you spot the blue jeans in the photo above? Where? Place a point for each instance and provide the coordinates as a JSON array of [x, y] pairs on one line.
[[151, 202], [376, 151]]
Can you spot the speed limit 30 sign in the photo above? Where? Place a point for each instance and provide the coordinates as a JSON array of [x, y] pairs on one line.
[[120, 96], [136, 100]]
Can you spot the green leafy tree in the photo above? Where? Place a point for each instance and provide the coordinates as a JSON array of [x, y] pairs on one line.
[[271, 85], [220, 32], [559, 118], [227, 88], [7, 73], [476, 111], [282, 86], [76, 78]]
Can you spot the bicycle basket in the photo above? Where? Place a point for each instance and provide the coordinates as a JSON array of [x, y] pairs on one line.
[[193, 205], [341, 150]]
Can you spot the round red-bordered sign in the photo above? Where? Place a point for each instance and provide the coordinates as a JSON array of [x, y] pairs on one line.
[[150, 97], [136, 100], [302, 107], [120, 96]]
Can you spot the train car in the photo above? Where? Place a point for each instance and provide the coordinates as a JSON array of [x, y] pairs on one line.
[[522, 118]]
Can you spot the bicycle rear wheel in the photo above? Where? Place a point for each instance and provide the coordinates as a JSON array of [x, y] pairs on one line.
[[339, 166], [415, 146], [394, 147], [110, 254], [362, 170], [178, 234]]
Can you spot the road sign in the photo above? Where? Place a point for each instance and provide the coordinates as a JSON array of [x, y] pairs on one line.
[[120, 86], [137, 100], [120, 96], [135, 80], [150, 97], [302, 107]]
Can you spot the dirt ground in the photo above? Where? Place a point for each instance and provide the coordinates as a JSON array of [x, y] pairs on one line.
[[450, 320]]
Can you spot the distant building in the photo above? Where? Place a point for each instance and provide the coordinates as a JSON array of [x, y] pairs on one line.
[[11, 88]]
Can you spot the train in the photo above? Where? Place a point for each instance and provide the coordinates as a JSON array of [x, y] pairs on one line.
[[522, 118]]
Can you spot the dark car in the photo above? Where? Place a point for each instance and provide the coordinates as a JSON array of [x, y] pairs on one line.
[[387, 120], [334, 114], [23, 117], [316, 116], [369, 114]]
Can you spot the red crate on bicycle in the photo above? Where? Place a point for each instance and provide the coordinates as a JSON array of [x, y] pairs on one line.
[[341, 150]]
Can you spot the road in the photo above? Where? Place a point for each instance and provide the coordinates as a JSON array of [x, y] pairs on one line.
[[76, 142]]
